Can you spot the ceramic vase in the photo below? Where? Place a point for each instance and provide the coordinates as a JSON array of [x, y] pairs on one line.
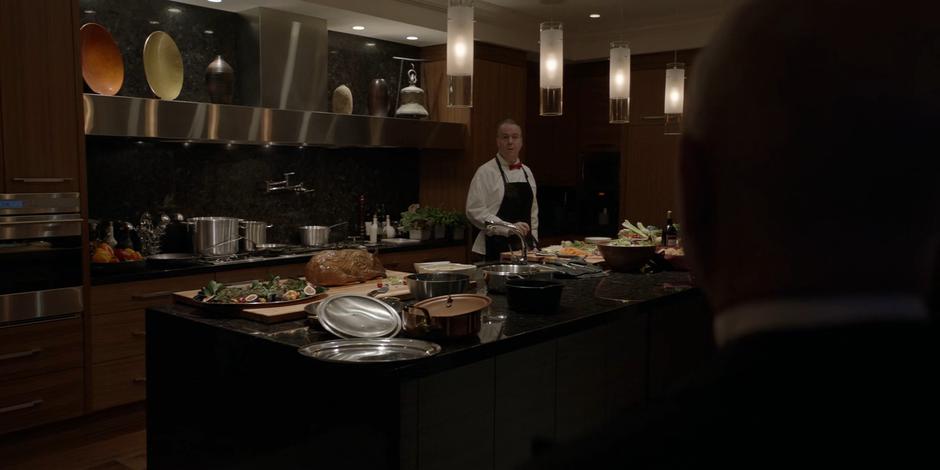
[[378, 97], [342, 100], [220, 81]]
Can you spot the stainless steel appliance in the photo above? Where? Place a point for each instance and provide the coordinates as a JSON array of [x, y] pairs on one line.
[[40, 256]]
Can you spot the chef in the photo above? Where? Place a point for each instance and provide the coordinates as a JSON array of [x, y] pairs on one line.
[[503, 189]]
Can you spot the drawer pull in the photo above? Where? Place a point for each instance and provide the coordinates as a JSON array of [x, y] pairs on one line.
[[41, 180], [139, 380], [138, 334], [21, 406], [151, 295], [22, 354]]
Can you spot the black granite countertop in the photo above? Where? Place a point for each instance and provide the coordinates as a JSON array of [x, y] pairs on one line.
[[143, 272], [585, 303]]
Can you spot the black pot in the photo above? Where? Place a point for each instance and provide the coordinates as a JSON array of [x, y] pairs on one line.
[[531, 296]]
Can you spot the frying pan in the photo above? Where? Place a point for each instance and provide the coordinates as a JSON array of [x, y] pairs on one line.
[[102, 64], [163, 65]]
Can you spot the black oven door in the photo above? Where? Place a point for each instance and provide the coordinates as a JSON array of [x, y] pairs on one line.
[[40, 266]]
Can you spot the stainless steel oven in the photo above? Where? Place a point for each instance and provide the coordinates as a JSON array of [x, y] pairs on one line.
[[40, 256]]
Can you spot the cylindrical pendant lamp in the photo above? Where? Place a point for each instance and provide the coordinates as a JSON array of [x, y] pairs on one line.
[[619, 82], [460, 53], [551, 68], [674, 97]]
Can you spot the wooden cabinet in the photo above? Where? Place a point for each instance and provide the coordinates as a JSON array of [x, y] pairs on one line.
[[40, 96], [118, 382], [40, 373], [649, 175]]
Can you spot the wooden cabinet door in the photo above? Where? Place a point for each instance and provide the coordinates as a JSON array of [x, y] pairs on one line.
[[650, 175], [647, 91], [40, 96]]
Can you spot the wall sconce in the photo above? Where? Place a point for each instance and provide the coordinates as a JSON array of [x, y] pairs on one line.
[[619, 82], [460, 53], [674, 97], [551, 68]]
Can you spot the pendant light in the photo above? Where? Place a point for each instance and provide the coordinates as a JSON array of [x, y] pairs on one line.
[[619, 82], [460, 53], [551, 68], [620, 79], [674, 97]]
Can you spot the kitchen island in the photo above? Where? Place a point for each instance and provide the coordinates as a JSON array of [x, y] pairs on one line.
[[231, 393]]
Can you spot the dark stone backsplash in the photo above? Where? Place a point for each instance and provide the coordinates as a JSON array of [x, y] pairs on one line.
[[126, 178]]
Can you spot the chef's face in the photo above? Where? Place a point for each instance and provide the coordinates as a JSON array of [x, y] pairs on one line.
[[509, 141]]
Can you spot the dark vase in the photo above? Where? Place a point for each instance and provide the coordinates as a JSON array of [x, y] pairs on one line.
[[378, 97], [220, 81]]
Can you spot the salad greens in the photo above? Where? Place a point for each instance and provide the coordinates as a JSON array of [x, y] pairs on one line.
[[274, 289]]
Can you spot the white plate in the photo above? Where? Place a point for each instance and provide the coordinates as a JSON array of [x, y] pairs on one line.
[[596, 240]]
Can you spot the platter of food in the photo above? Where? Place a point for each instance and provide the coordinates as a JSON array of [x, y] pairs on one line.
[[274, 292]]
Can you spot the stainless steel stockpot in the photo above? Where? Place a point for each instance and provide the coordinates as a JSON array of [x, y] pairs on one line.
[[214, 236]]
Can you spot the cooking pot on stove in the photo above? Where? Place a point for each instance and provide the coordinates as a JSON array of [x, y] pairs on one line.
[[254, 233], [316, 235], [214, 236]]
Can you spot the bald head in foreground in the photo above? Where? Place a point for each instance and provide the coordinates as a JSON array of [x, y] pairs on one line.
[[812, 218]]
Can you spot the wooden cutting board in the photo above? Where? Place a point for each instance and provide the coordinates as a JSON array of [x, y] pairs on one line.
[[296, 311]]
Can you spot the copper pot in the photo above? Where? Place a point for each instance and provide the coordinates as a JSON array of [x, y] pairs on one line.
[[446, 316]]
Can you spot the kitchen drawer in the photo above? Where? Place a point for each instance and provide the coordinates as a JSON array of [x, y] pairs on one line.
[[118, 382], [142, 294], [39, 399], [117, 336], [405, 260], [37, 348]]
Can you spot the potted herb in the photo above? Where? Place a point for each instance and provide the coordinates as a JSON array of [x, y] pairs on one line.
[[416, 222], [456, 223], [437, 218]]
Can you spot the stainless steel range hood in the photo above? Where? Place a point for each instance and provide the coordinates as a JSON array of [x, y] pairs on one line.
[[122, 116]]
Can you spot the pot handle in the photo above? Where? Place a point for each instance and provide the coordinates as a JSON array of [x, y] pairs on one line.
[[427, 315]]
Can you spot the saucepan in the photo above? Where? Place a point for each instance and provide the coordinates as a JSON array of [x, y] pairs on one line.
[[496, 275], [427, 285], [446, 316], [316, 235]]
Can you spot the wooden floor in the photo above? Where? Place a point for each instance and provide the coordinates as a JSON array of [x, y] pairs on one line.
[[115, 439]]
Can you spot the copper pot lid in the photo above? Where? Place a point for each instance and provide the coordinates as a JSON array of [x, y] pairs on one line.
[[102, 63], [454, 305], [358, 316]]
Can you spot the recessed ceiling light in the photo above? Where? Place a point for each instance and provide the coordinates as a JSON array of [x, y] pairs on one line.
[[370, 44], [89, 12], [174, 10], [154, 22], [594, 15], [215, 1], [412, 38], [359, 28], [209, 31]]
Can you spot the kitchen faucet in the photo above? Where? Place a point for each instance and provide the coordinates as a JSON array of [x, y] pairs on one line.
[[499, 227], [278, 186]]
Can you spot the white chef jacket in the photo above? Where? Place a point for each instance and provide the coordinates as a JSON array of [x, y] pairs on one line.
[[486, 195]]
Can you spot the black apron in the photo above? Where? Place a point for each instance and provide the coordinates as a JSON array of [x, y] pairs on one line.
[[516, 207]]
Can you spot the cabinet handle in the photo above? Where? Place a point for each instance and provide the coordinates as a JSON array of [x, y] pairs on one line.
[[653, 118], [22, 354], [139, 380], [138, 334], [41, 180], [151, 295], [21, 406]]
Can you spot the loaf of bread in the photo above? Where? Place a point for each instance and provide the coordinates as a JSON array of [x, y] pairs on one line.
[[343, 267]]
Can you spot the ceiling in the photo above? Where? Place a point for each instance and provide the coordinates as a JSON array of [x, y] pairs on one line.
[[649, 25]]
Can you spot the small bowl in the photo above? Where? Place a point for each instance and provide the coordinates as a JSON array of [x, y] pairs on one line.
[[626, 258], [596, 240], [530, 296]]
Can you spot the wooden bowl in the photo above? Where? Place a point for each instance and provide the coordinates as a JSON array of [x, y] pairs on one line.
[[626, 258], [163, 65], [102, 64]]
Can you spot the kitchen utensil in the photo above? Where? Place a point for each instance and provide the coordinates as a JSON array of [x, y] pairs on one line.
[[370, 350], [163, 65], [102, 63], [626, 258], [172, 260], [220, 81], [496, 275], [448, 316], [358, 316], [528, 296], [215, 236], [316, 235], [255, 233], [427, 285]]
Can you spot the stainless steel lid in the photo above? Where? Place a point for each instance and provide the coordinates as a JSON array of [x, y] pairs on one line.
[[358, 316], [370, 350]]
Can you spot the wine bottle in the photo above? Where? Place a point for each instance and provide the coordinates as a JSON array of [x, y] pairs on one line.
[[670, 233]]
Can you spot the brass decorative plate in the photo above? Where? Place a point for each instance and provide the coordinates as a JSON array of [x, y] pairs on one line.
[[163, 65]]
